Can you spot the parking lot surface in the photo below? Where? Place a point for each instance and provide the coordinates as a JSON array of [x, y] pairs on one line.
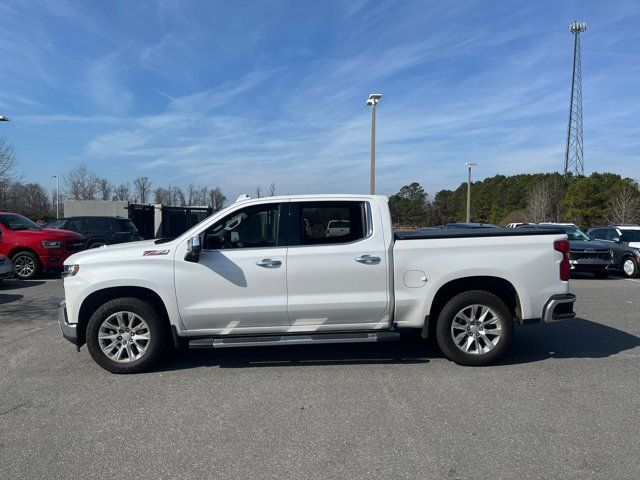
[[564, 404]]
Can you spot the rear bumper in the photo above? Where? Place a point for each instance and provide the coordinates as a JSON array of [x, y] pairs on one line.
[[559, 307], [69, 330]]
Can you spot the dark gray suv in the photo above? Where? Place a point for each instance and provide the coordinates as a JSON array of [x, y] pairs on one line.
[[99, 230], [624, 241], [585, 254]]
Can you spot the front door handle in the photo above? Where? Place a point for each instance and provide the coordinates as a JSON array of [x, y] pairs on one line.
[[368, 259], [268, 263]]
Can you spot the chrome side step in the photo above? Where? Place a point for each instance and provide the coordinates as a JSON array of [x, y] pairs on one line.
[[293, 339]]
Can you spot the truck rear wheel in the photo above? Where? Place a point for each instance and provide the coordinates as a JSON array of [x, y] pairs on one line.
[[126, 335], [474, 328]]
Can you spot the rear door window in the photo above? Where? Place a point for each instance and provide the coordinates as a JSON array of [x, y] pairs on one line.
[[327, 222]]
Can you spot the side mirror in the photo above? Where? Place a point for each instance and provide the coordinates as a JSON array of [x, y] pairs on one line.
[[193, 250], [617, 239]]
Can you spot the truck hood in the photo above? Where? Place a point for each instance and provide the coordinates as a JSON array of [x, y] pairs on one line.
[[586, 245], [634, 244], [121, 251], [50, 234]]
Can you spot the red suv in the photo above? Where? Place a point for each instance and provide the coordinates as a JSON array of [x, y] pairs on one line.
[[32, 248]]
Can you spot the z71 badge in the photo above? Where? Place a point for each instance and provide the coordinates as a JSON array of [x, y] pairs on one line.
[[150, 253]]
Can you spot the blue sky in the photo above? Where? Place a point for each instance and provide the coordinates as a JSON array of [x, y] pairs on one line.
[[240, 94]]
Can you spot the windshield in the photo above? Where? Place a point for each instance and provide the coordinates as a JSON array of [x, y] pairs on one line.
[[18, 222], [630, 236], [576, 234], [127, 226]]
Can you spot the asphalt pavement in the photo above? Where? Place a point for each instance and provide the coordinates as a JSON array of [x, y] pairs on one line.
[[564, 404]]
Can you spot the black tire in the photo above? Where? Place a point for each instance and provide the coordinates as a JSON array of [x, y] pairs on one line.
[[457, 304], [27, 265], [158, 330], [600, 274], [635, 272]]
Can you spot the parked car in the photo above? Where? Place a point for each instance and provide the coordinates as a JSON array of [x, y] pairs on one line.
[[469, 225], [337, 228], [251, 275], [624, 241], [32, 248], [6, 268], [585, 254], [99, 231]]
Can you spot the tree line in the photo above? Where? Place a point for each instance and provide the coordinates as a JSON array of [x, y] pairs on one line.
[[584, 200], [599, 198]]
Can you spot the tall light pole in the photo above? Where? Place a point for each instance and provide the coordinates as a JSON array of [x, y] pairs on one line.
[[57, 195], [372, 101], [469, 165]]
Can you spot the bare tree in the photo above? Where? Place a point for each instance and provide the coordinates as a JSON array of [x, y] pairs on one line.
[[122, 192], [556, 189], [191, 194], [81, 183], [258, 191], [104, 188], [272, 189], [217, 199], [162, 195], [202, 196], [7, 160], [142, 186], [539, 202], [624, 204]]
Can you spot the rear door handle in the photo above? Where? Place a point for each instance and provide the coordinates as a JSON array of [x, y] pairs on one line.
[[268, 263], [368, 259]]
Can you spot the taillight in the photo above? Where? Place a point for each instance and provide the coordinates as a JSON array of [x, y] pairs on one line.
[[562, 246]]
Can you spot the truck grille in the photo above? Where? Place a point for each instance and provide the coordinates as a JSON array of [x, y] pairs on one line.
[[74, 245], [598, 254]]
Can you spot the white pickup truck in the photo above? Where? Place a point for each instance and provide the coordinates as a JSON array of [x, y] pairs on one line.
[[265, 272]]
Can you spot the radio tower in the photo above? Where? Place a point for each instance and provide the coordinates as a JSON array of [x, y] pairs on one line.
[[573, 156]]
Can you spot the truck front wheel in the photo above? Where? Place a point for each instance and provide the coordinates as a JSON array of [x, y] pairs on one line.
[[474, 328], [126, 335]]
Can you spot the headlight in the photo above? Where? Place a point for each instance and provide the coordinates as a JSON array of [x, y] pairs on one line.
[[51, 244], [70, 270]]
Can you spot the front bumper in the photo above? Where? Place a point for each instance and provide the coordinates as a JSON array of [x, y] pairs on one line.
[[590, 265], [6, 273], [559, 307], [69, 330]]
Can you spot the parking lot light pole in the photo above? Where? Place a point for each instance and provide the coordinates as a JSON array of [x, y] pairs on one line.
[[57, 196], [372, 101], [469, 165]]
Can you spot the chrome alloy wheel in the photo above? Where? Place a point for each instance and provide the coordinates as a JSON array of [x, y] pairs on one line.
[[124, 337], [24, 265], [628, 267], [476, 329]]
